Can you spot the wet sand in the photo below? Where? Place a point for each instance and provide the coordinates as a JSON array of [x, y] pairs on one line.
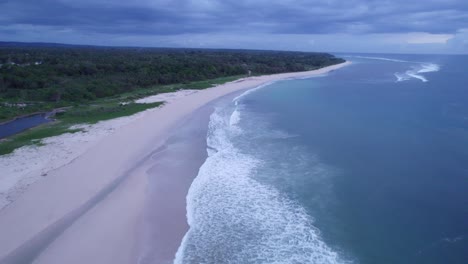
[[173, 169]]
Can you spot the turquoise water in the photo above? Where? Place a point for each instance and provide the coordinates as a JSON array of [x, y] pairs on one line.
[[368, 164]]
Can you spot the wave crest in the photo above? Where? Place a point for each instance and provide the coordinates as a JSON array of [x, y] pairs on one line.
[[413, 73], [377, 58], [416, 71]]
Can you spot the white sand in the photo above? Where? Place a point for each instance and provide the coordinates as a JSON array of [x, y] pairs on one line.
[[78, 166], [31, 163], [165, 97]]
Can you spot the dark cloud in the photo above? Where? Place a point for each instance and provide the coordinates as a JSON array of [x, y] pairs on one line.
[[97, 18], [205, 16], [319, 25]]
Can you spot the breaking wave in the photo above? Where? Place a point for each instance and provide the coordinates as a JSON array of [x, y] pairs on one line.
[[378, 58], [416, 72], [236, 99], [235, 117], [235, 218], [413, 73]]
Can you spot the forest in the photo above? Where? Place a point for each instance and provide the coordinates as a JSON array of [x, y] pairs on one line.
[[61, 74]]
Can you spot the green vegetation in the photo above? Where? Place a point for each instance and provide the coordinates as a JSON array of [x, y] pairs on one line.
[[9, 112], [51, 77], [97, 110], [91, 82]]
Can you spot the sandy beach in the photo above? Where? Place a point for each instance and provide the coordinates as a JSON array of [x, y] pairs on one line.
[[116, 193]]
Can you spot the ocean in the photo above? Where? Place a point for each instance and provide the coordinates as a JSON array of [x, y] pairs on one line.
[[367, 164]]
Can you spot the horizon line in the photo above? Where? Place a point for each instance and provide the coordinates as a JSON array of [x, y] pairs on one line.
[[207, 48]]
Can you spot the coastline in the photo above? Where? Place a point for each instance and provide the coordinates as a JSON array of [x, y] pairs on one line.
[[107, 232], [171, 172]]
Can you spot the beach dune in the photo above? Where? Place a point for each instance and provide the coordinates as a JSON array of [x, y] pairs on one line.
[[95, 208]]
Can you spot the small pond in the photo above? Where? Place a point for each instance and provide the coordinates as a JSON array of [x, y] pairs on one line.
[[22, 123]]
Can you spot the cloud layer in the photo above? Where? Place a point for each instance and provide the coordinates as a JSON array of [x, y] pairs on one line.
[[437, 21]]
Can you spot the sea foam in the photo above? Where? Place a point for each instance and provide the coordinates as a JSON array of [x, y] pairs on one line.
[[236, 99], [235, 118], [378, 58], [416, 72], [413, 73], [234, 218]]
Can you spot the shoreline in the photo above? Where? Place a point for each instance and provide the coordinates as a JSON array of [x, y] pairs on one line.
[[171, 172], [106, 232]]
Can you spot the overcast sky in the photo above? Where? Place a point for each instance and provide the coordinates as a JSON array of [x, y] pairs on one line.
[[417, 26]]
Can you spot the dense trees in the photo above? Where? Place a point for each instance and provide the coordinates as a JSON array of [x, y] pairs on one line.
[[77, 74]]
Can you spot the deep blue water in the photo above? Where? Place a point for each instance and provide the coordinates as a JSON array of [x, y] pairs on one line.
[[21, 124], [368, 164]]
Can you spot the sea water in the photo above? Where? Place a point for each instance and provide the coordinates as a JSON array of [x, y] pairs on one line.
[[368, 164]]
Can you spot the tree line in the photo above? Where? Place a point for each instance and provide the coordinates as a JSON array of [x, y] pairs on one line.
[[78, 74]]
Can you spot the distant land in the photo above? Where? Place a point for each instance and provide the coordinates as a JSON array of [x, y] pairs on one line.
[[39, 44]]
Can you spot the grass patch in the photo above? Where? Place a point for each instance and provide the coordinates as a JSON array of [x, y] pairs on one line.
[[95, 111], [10, 112]]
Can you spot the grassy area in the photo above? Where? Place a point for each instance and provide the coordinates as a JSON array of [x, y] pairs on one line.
[[78, 115], [92, 112], [10, 112]]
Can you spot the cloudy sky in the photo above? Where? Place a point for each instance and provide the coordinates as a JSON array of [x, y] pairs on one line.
[[417, 26]]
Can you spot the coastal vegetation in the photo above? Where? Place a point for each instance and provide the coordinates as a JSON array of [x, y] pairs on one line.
[[98, 83], [92, 112], [43, 77]]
